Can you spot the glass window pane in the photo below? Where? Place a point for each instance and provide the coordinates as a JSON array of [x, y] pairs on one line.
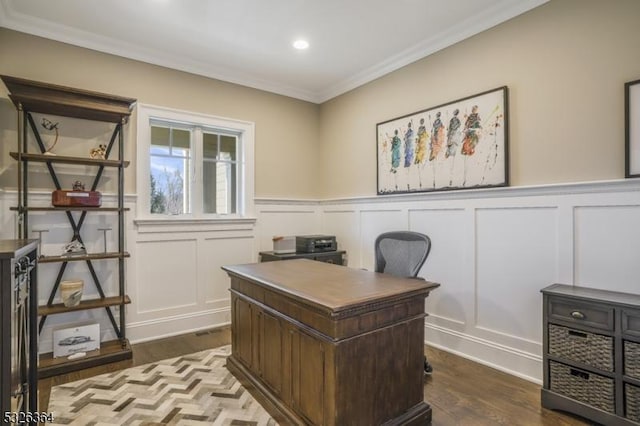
[[181, 138], [210, 145], [170, 185], [228, 148], [219, 188]]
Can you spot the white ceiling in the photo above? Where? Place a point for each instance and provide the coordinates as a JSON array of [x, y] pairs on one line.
[[249, 41]]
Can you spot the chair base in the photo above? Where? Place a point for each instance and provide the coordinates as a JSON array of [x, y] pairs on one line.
[[428, 369]]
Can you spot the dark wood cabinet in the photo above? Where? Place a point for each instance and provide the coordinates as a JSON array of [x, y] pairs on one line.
[[330, 345], [591, 353], [337, 257], [272, 356], [18, 328]]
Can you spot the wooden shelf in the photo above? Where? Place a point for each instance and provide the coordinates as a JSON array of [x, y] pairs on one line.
[[59, 308], [40, 97], [48, 98], [110, 351], [89, 256], [69, 209], [43, 158]]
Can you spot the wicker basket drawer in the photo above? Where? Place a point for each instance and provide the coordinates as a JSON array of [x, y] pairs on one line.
[[588, 348], [589, 388], [581, 313], [632, 359], [632, 402]]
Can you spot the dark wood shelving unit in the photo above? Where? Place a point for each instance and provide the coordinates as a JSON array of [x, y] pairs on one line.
[[48, 98], [43, 158], [88, 256], [110, 351], [59, 308], [38, 97], [69, 209]]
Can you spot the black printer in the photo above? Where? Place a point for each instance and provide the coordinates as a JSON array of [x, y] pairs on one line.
[[315, 243]]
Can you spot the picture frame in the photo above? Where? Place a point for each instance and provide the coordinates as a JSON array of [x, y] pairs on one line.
[[632, 129], [462, 144]]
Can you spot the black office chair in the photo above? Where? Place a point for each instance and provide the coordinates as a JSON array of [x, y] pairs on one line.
[[402, 253]]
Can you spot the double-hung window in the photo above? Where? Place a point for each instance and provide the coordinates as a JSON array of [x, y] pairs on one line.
[[193, 166]]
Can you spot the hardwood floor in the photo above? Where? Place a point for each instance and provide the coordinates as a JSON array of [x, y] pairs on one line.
[[461, 392]]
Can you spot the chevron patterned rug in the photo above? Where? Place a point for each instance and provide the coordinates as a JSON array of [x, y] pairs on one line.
[[194, 389]]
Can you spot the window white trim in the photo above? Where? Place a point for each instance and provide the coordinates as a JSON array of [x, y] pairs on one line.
[[146, 114]]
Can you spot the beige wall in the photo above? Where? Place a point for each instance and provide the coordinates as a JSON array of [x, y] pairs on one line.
[[565, 64], [287, 130]]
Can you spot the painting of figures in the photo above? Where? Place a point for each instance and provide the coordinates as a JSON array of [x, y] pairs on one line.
[[632, 129], [459, 145]]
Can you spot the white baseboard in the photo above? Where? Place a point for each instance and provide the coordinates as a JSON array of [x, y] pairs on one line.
[[143, 331], [508, 360]]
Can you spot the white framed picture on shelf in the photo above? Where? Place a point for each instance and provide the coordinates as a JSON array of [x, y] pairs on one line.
[[72, 340]]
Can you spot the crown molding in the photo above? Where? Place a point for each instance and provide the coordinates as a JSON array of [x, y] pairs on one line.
[[504, 11]]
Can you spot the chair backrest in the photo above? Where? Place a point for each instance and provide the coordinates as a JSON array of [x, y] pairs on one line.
[[401, 253]]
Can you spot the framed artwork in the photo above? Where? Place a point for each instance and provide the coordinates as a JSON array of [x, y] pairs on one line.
[[459, 145], [632, 129]]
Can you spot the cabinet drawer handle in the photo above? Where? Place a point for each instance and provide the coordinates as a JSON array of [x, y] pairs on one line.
[[578, 315], [574, 333], [580, 374]]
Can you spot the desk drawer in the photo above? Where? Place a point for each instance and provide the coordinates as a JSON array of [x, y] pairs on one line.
[[581, 346], [581, 313], [589, 388]]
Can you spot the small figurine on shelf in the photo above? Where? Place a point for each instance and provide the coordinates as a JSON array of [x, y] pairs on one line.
[[47, 124], [78, 186], [99, 153], [74, 248]]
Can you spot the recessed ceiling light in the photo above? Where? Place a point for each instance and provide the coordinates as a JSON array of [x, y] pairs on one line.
[[301, 44]]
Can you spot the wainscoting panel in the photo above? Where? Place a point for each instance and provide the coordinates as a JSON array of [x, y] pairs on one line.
[[217, 252], [448, 263], [283, 218], [171, 283], [607, 247], [516, 252], [493, 250], [346, 224], [178, 282]]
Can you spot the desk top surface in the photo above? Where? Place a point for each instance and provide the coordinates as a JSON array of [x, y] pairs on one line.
[[330, 287]]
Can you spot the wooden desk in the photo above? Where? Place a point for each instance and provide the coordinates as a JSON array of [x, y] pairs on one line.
[[330, 345]]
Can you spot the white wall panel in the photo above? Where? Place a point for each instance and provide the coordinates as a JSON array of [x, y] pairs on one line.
[[285, 220], [607, 247], [516, 252], [167, 276], [451, 253], [345, 226], [493, 250], [218, 252]]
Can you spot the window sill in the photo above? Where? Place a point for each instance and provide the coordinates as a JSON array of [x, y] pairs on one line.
[[184, 224]]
